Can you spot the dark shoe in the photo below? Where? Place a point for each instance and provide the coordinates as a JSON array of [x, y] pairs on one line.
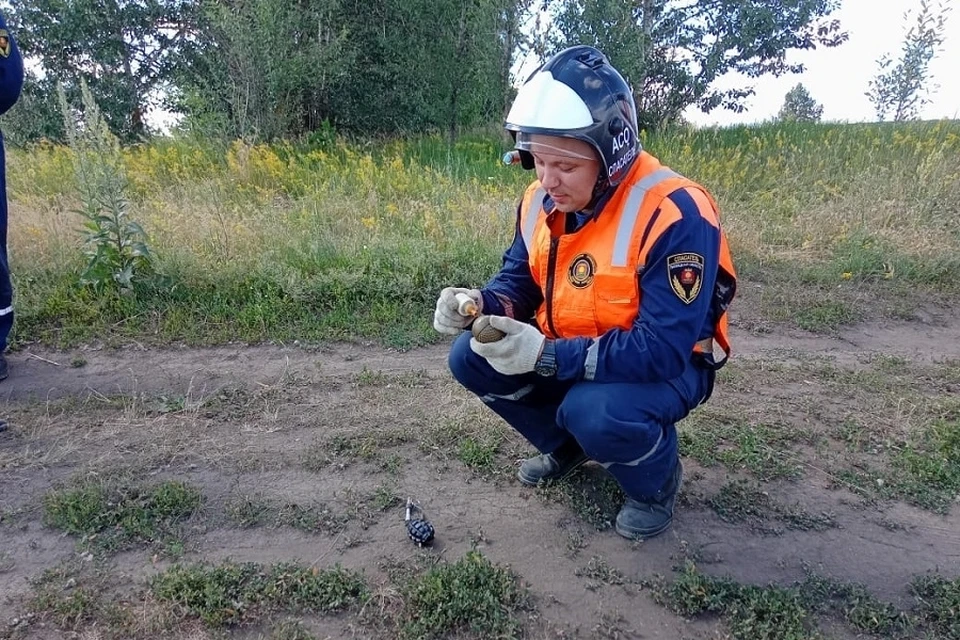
[[640, 519], [550, 466], [4, 369]]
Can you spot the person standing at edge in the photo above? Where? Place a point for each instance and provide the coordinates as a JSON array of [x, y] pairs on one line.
[[612, 294], [11, 82]]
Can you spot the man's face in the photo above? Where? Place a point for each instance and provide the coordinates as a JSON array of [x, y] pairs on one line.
[[567, 170]]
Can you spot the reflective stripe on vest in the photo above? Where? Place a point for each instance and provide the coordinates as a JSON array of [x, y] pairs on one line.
[[530, 224], [631, 211], [619, 244]]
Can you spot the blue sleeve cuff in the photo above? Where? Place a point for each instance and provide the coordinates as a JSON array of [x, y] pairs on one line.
[[491, 304], [571, 354]]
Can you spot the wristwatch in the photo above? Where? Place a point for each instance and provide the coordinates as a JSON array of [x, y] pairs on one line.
[[547, 362]]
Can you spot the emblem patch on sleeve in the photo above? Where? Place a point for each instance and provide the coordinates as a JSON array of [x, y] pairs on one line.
[[685, 271]]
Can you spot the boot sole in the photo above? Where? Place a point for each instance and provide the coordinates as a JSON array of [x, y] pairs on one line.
[[532, 482], [631, 534]]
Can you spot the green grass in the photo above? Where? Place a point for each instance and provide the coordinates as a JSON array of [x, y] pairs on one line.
[[923, 470], [939, 604], [291, 630], [384, 302], [230, 594], [470, 596], [383, 498], [476, 440], [591, 493], [712, 436], [750, 613], [927, 472], [599, 570], [772, 612], [341, 450], [479, 455], [823, 316], [284, 242], [109, 515], [70, 599], [884, 427], [742, 501], [380, 380], [77, 607], [255, 510], [426, 597], [860, 609]]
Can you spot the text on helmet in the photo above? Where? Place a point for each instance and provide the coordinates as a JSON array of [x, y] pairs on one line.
[[622, 162], [622, 140]]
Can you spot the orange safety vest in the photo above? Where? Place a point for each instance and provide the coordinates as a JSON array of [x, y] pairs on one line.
[[609, 253]]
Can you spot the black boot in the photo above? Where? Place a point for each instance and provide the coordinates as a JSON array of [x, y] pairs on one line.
[[552, 466], [639, 519]]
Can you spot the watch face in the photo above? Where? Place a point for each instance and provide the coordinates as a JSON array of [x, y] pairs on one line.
[[545, 369]]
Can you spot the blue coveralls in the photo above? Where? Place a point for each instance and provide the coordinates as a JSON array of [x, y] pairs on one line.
[[11, 82], [625, 417]]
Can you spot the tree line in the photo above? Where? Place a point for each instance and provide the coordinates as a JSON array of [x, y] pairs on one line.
[[268, 69]]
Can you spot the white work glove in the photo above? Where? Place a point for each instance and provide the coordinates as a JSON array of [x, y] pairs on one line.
[[447, 318], [514, 353]]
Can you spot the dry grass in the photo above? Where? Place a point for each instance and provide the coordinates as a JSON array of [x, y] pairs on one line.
[[788, 193]]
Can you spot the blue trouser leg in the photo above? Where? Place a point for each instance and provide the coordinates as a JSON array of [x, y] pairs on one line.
[[6, 295], [629, 428], [6, 301], [528, 403], [6, 287]]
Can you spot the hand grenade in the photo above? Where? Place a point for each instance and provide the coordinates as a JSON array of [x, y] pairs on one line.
[[419, 529]]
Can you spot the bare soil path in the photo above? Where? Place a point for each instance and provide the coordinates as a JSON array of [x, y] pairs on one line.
[[256, 422], [44, 374]]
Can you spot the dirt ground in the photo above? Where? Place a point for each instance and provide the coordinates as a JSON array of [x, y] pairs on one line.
[[260, 423]]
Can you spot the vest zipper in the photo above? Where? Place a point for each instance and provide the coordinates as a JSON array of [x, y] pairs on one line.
[[551, 267]]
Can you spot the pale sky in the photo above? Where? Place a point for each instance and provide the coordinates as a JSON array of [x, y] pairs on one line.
[[837, 78]]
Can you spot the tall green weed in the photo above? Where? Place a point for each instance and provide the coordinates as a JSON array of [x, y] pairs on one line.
[[115, 245]]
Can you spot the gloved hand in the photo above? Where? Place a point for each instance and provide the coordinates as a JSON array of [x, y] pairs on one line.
[[514, 353], [447, 318]]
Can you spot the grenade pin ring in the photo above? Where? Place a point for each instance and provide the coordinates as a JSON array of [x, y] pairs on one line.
[[419, 529]]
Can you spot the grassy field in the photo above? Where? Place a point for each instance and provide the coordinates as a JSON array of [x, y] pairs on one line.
[[283, 242]]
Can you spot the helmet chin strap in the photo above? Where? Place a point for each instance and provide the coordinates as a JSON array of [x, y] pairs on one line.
[[600, 189]]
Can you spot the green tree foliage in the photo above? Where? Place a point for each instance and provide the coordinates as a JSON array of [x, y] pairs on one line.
[[799, 106], [124, 50], [263, 68], [36, 115], [672, 52], [266, 69], [901, 89], [270, 68]]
